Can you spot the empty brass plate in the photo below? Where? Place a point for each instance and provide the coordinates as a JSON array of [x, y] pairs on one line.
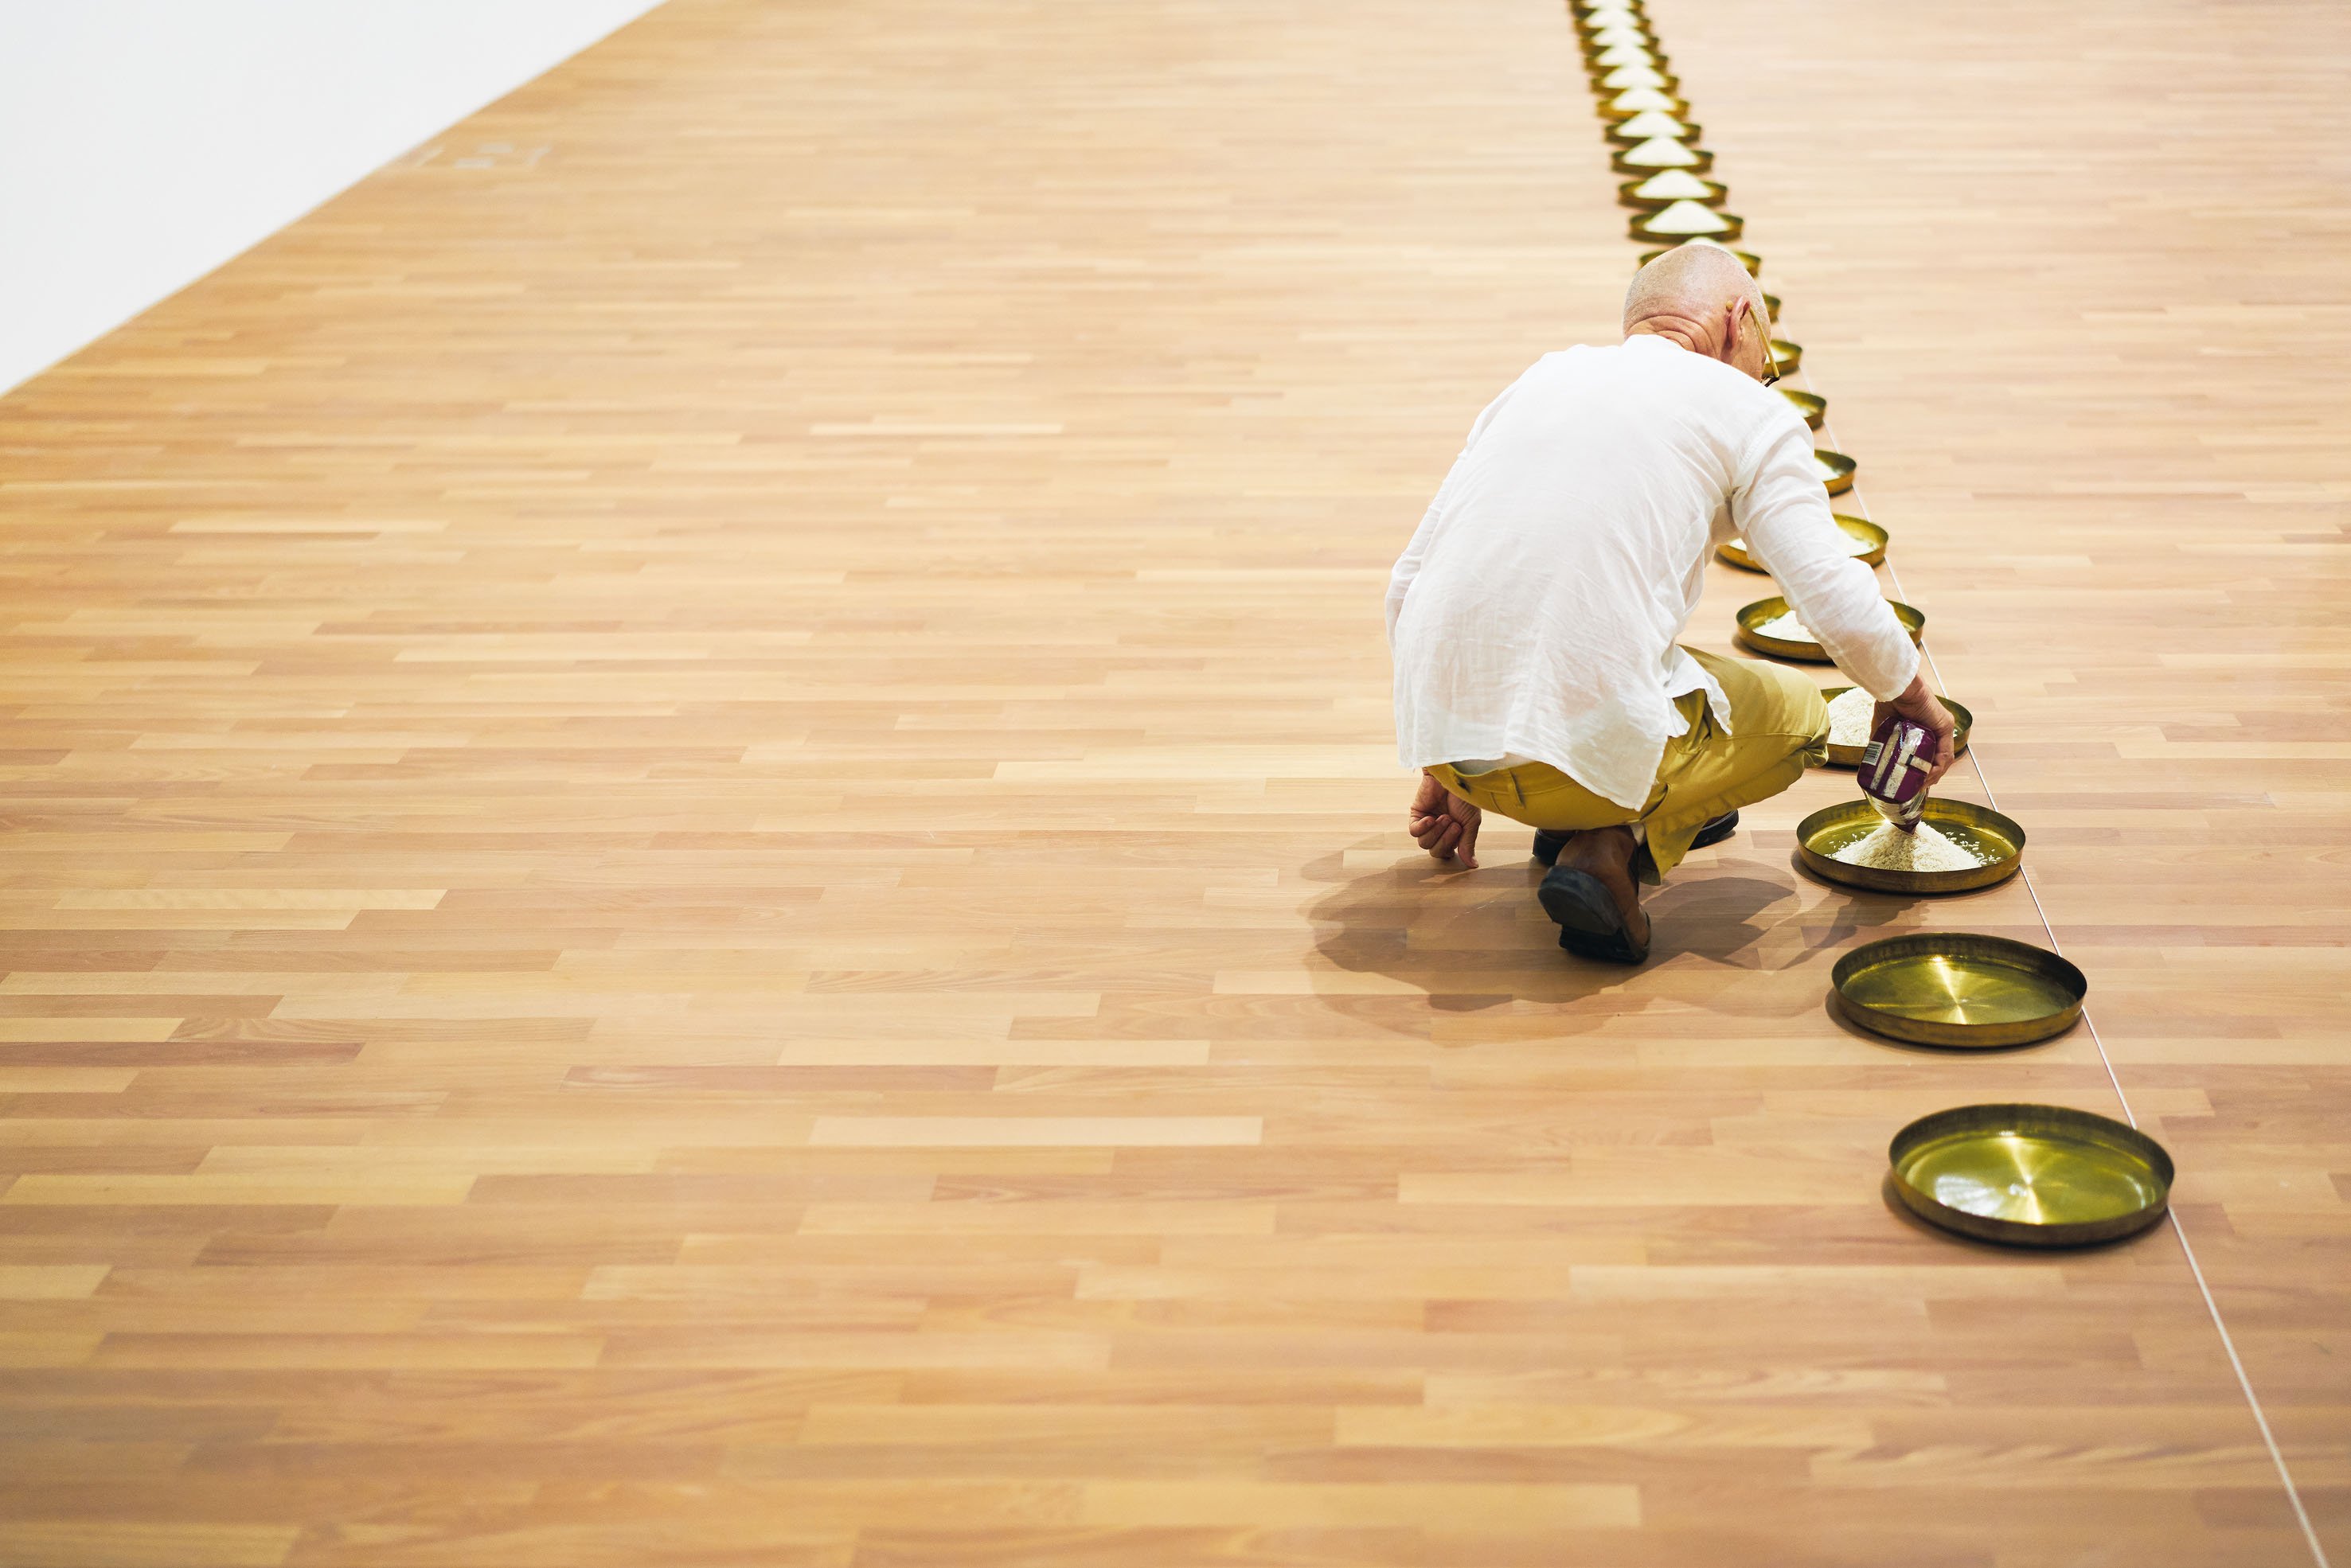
[[1963, 717], [1957, 988], [1688, 219], [1786, 356], [1660, 152], [1589, 9], [1661, 191], [1836, 470], [2031, 1176], [1996, 841], [1753, 263], [1868, 544]]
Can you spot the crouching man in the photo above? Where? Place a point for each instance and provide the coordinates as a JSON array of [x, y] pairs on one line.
[[1533, 618]]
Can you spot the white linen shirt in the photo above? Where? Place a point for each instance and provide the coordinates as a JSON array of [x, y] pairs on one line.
[[1534, 615]]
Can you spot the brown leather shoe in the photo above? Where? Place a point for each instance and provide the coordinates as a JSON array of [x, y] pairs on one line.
[[1593, 895]]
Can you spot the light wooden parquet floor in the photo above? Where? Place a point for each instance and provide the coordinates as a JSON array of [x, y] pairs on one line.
[[702, 862]]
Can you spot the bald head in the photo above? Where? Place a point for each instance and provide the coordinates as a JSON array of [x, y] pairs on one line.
[[1700, 297]]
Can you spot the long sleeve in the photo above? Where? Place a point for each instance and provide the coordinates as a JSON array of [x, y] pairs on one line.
[[1783, 513]]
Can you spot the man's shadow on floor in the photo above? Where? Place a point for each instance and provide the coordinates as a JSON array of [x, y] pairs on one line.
[[1478, 940]]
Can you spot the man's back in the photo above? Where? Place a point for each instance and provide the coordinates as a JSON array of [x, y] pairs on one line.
[[1535, 614]]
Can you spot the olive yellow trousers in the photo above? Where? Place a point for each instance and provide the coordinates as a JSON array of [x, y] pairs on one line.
[[1778, 728]]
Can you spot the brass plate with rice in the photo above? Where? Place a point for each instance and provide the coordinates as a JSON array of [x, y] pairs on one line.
[[1614, 80], [1755, 630], [1958, 989], [1835, 469], [1812, 406], [1995, 843], [1867, 544], [2031, 1176], [1662, 190], [1660, 152], [1602, 56], [1650, 126], [1686, 220], [1963, 717], [1639, 100]]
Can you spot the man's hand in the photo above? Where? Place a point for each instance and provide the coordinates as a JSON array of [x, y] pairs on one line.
[[1920, 706], [1444, 824]]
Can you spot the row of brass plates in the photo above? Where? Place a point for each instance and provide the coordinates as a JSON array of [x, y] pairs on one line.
[[2032, 1175], [1804, 650], [1996, 841], [1867, 535], [1850, 756]]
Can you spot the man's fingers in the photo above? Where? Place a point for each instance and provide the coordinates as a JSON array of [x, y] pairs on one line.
[[1470, 844]]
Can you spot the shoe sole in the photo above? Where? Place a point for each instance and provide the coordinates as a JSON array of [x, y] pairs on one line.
[[1590, 925]]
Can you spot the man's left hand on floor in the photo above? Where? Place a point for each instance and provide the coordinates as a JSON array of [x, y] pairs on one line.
[[1444, 824]]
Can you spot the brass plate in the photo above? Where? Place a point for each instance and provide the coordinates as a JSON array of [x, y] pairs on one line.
[[1753, 263], [1957, 988], [1786, 356], [1850, 756], [1686, 220], [1639, 100], [1997, 840], [1642, 127], [1657, 155], [1750, 616], [2031, 1176], [1837, 469], [1811, 405], [1584, 8], [1609, 81], [1860, 529], [1628, 195], [1624, 52], [1771, 308]]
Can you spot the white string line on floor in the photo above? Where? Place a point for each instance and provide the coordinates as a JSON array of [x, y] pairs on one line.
[[2024, 873]]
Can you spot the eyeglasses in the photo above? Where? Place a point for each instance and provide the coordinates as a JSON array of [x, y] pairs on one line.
[[1770, 359]]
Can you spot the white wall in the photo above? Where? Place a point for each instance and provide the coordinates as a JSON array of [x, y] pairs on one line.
[[144, 142]]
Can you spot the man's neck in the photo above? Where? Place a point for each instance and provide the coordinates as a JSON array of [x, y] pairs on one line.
[[1674, 329]]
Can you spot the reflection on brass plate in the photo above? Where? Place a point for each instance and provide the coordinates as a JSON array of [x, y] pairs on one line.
[[1835, 469], [1865, 540], [1995, 843], [1786, 356], [1963, 724], [1659, 191], [1688, 219], [2031, 1176], [1957, 988], [1756, 630]]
